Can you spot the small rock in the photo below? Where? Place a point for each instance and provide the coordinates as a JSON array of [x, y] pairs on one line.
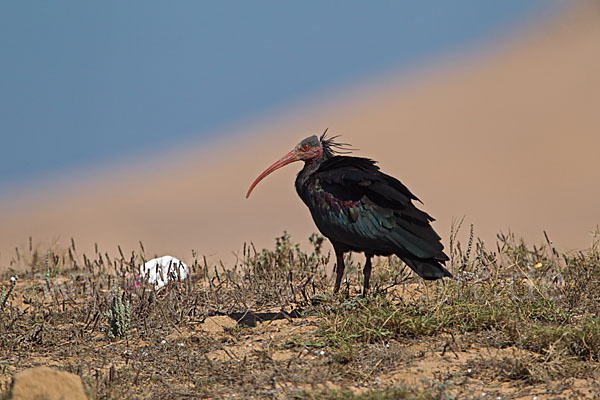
[[46, 383]]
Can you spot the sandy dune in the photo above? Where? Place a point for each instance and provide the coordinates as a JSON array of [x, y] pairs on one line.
[[507, 135]]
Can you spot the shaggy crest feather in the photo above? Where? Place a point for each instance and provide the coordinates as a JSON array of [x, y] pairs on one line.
[[331, 147]]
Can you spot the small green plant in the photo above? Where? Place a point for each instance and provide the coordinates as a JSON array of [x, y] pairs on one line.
[[48, 272], [119, 316], [4, 296]]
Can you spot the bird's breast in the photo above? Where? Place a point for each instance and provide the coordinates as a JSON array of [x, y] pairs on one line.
[[333, 216]]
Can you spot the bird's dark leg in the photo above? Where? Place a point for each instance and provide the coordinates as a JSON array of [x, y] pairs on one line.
[[339, 269], [367, 274]]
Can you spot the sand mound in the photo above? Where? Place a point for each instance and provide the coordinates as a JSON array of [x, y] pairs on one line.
[[46, 383]]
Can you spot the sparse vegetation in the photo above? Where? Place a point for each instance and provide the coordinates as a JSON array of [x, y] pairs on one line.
[[517, 320], [532, 298], [395, 393]]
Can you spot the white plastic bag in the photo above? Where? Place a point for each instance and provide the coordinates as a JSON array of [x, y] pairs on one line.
[[162, 270]]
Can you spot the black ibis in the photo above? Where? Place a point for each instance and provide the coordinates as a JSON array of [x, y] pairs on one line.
[[359, 208]]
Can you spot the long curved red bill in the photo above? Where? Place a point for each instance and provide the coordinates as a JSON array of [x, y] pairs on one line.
[[285, 160]]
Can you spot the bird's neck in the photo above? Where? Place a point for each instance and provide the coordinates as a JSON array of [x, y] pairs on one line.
[[310, 167]]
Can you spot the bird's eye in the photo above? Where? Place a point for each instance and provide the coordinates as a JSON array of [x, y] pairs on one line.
[[305, 147]]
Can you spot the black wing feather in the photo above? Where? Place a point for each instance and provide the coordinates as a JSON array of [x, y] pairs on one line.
[[382, 219]]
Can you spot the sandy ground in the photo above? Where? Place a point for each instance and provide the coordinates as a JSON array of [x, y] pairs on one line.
[[506, 135]]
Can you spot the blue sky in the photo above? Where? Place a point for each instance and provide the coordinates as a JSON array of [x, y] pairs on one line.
[[84, 83]]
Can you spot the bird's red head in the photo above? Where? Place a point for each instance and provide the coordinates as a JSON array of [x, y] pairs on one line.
[[308, 150]]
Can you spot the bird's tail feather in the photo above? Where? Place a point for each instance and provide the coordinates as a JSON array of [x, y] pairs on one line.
[[429, 268]]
